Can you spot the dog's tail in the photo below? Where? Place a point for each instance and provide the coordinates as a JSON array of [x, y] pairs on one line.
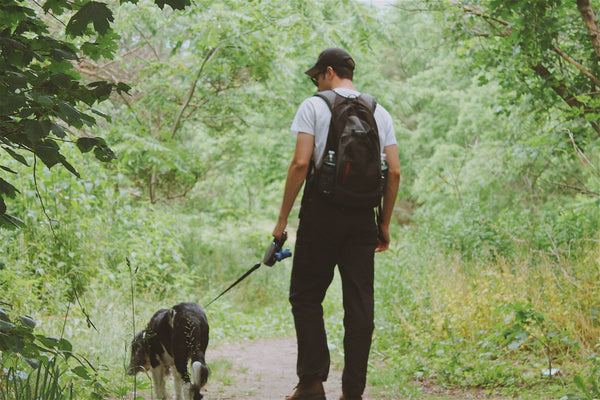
[[200, 374]]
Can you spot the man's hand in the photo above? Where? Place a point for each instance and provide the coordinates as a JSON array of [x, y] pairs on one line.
[[279, 228], [384, 242]]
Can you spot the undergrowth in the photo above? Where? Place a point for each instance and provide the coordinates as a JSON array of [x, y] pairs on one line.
[[523, 325]]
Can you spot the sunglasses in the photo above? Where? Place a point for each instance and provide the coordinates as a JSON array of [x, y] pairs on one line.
[[315, 78]]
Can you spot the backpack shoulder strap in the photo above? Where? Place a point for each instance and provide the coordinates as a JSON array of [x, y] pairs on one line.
[[328, 96], [369, 101]]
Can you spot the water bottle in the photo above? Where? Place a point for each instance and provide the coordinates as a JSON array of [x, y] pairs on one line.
[[327, 180], [384, 172]]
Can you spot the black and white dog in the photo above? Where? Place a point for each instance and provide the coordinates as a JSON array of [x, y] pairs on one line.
[[171, 338]]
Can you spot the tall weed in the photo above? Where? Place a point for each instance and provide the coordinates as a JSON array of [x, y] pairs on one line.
[[496, 323]]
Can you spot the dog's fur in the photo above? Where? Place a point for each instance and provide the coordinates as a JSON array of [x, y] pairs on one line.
[[171, 338]]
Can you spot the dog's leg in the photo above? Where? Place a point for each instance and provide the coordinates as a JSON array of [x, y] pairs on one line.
[[179, 386], [181, 375], [158, 378], [188, 391]]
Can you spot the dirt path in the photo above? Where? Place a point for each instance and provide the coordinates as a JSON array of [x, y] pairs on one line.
[[265, 370], [262, 369]]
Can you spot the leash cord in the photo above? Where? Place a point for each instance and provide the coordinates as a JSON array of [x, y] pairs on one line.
[[241, 278]]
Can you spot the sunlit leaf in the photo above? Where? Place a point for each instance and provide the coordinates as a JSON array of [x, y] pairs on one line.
[[82, 372], [65, 345], [27, 321], [32, 362]]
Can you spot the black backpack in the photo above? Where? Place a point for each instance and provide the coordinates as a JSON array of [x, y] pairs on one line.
[[353, 136]]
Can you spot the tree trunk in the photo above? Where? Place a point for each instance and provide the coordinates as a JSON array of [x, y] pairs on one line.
[[591, 22]]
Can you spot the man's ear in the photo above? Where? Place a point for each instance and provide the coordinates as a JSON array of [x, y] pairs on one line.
[[329, 73]]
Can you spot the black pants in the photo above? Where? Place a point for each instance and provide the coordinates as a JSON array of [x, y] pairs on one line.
[[330, 236]]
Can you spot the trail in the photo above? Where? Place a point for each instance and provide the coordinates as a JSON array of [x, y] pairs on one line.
[[264, 369]]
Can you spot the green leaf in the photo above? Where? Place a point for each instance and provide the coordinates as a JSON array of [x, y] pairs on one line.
[[9, 221], [7, 189], [43, 100], [14, 343], [57, 6], [123, 87], [104, 154], [15, 80], [6, 325], [58, 130], [47, 341], [101, 150], [47, 151], [88, 119], [175, 4], [70, 113], [34, 130], [101, 89], [68, 166], [100, 113], [63, 54], [12, 102], [86, 144], [62, 80], [32, 362], [82, 372], [10, 44], [3, 315], [16, 156], [65, 345], [92, 12], [27, 321]]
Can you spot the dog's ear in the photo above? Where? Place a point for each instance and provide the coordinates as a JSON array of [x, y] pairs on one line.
[[139, 337]]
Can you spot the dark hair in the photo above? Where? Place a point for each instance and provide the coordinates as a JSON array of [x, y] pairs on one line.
[[343, 72]]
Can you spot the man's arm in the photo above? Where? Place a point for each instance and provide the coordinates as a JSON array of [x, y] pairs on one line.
[[295, 178], [391, 192]]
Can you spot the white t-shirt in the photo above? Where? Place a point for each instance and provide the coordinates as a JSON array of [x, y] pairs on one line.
[[313, 117]]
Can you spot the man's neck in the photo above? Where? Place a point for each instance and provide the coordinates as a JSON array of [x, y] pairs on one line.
[[342, 83]]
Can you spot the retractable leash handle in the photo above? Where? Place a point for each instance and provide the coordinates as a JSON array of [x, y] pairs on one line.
[[275, 252]]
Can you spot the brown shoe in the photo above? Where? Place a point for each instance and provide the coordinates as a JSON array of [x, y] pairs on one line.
[[308, 390]]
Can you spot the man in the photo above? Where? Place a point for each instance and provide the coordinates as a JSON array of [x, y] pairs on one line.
[[329, 235]]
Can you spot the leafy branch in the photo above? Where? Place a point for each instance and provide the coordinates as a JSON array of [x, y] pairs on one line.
[[209, 55]]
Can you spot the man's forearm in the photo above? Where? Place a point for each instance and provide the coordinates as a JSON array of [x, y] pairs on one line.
[[389, 197], [295, 178]]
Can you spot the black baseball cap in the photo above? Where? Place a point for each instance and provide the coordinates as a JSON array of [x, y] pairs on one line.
[[332, 57]]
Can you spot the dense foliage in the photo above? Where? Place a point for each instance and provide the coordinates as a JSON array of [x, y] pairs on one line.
[[491, 278]]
